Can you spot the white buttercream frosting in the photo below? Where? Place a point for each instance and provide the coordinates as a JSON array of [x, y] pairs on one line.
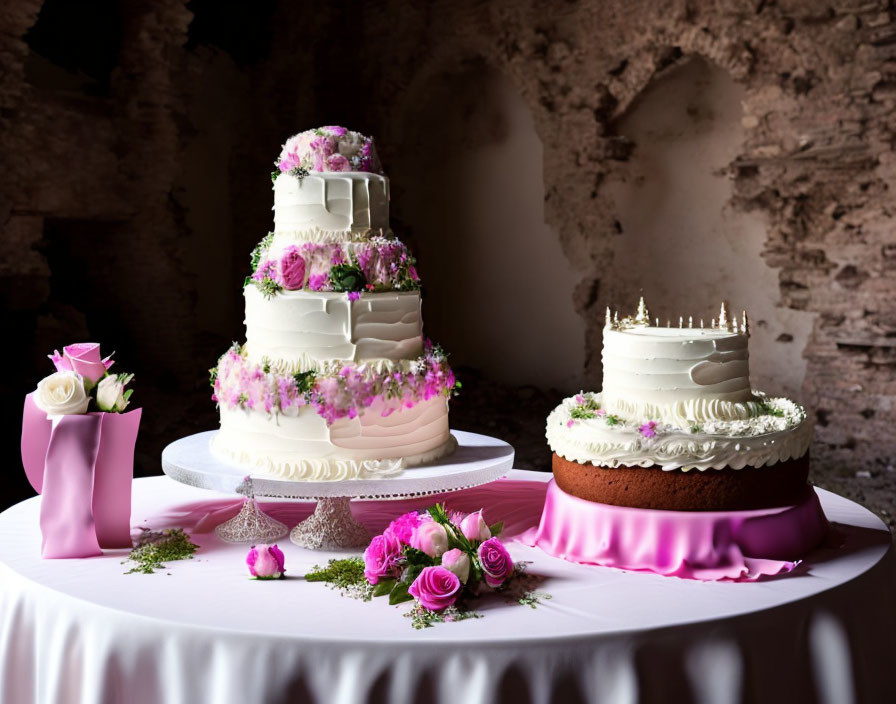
[[330, 203], [308, 330], [781, 431], [677, 375], [304, 447]]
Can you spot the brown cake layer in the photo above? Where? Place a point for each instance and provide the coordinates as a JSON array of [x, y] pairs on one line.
[[780, 484]]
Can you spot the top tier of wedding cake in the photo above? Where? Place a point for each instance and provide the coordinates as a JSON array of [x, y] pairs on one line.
[[330, 187], [682, 373]]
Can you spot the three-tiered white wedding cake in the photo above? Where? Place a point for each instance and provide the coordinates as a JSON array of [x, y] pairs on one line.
[[335, 380]]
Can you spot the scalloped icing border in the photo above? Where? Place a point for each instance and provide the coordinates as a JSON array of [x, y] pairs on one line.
[[330, 469], [593, 441]]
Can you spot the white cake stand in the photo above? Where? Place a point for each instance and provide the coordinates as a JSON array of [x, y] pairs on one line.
[[479, 459]]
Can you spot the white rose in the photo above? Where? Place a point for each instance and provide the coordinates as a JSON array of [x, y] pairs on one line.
[[110, 393], [62, 394]]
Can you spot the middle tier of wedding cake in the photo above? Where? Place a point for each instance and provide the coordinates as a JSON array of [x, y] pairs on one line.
[[335, 380]]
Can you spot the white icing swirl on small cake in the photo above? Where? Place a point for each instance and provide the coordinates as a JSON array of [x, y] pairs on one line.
[[581, 430], [677, 375]]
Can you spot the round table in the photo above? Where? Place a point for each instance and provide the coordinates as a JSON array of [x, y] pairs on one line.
[[201, 631]]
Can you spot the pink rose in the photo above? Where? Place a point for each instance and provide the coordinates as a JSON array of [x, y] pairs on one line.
[[496, 563], [335, 130], [474, 527], [265, 562], [436, 588], [83, 358], [431, 538], [337, 162], [317, 282], [292, 269], [404, 526], [458, 562], [382, 557]]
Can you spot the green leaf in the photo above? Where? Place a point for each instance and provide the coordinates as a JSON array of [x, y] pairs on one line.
[[399, 594], [304, 381], [347, 277], [127, 394], [383, 587], [496, 528]]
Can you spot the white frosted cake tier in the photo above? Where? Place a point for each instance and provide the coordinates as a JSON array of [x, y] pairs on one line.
[[307, 330], [677, 374], [330, 203], [304, 447], [582, 430]]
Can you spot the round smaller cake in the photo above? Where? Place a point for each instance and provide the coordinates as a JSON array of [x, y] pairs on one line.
[[677, 425]]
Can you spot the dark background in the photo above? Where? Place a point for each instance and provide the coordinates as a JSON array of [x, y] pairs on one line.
[[136, 141]]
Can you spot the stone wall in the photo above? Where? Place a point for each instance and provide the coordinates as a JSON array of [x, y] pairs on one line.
[[136, 140]]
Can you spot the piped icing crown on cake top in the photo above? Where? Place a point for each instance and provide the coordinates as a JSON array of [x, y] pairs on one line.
[[677, 397]]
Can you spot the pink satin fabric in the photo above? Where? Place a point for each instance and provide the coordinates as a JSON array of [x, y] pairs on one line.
[[708, 546], [83, 467]]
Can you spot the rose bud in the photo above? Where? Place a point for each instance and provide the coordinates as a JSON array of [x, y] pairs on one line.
[[436, 588], [458, 562], [474, 527], [110, 393], [431, 538], [496, 562], [265, 562]]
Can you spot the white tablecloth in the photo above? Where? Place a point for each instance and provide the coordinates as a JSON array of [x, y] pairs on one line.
[[200, 631]]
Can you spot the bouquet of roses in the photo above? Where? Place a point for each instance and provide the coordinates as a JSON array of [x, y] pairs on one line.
[[437, 558]]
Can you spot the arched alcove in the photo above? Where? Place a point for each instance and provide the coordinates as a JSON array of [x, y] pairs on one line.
[[471, 195], [681, 245]]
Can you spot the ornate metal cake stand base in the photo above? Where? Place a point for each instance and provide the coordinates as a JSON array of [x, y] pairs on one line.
[[251, 525], [332, 525]]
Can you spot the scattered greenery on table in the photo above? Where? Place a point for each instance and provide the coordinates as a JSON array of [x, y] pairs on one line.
[[345, 576], [155, 548]]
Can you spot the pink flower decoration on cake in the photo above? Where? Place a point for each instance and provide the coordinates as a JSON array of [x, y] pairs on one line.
[[292, 269], [496, 562], [337, 162], [266, 562], [436, 588], [317, 282], [648, 429], [382, 557]]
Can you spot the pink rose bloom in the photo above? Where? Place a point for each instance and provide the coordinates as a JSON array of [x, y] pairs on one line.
[[458, 562], [265, 562], [404, 526], [335, 130], [382, 557], [83, 358], [337, 162], [496, 562], [317, 282], [292, 269], [431, 538], [436, 588], [648, 430], [288, 162], [474, 527]]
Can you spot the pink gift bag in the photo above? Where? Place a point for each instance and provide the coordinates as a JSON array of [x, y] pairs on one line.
[[82, 465]]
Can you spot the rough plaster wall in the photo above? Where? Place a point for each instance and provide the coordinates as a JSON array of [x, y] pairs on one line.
[[121, 174]]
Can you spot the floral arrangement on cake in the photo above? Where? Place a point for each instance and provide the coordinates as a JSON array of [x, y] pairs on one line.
[[771, 415], [342, 392], [437, 558], [374, 264], [328, 149], [82, 379]]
